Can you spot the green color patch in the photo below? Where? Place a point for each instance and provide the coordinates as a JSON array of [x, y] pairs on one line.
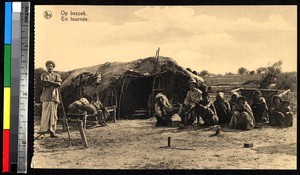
[[7, 65]]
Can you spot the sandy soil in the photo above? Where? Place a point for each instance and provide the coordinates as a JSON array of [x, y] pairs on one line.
[[138, 144]]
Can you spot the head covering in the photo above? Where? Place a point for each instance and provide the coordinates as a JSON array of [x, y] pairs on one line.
[[50, 61], [235, 94], [208, 88], [257, 92], [276, 96], [220, 96], [159, 95], [192, 81], [164, 98], [241, 97], [84, 101]]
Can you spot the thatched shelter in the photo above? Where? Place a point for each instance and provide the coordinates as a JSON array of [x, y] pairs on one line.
[[131, 86]]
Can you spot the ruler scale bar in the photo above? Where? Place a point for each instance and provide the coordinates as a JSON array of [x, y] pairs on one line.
[[23, 90], [15, 81], [7, 88]]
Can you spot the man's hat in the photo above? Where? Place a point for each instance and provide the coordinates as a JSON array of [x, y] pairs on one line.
[[192, 81], [50, 62]]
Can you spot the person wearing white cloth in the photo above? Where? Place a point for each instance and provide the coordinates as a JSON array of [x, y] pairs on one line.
[[51, 81]]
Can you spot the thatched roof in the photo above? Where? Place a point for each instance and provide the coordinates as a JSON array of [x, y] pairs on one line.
[[112, 71]]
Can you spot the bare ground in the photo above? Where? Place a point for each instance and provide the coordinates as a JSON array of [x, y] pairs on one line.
[[138, 144]]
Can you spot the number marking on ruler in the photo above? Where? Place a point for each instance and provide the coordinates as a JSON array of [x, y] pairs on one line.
[[23, 96]]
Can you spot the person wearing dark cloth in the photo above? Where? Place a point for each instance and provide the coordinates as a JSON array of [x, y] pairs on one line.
[[259, 107], [193, 97], [207, 111], [102, 112], [222, 108], [242, 117], [163, 110], [286, 110], [280, 114]]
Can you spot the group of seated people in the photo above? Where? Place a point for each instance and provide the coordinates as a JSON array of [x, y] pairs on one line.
[[236, 112], [93, 108]]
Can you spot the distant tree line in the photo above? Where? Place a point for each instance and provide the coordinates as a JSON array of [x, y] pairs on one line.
[[264, 71]]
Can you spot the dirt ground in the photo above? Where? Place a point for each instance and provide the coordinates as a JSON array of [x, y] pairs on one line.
[[138, 144]]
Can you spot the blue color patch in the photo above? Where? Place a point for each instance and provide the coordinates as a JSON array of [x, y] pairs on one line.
[[8, 23]]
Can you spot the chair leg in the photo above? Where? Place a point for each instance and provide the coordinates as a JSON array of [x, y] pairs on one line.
[[84, 122]]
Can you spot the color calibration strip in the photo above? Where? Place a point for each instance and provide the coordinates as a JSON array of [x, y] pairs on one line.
[[7, 88]]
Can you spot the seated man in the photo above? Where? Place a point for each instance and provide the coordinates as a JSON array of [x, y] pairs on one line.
[[223, 109], [280, 114], [207, 111], [191, 102], [242, 117], [259, 107], [163, 110], [101, 109]]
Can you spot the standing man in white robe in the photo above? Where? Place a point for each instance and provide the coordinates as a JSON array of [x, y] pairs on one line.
[[51, 81]]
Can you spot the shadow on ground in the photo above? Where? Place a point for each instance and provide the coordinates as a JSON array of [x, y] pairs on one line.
[[288, 149]]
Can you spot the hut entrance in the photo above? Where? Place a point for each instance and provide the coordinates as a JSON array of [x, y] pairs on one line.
[[136, 97]]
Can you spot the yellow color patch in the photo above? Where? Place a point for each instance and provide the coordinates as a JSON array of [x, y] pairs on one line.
[[6, 108]]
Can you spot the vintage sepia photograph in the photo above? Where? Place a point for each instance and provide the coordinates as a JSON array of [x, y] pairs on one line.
[[165, 87]]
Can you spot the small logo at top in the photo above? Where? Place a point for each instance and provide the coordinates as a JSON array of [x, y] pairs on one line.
[[48, 14]]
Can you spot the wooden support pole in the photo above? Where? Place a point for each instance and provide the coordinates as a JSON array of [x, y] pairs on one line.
[[120, 99], [114, 113], [169, 141], [84, 121], [82, 133], [65, 124]]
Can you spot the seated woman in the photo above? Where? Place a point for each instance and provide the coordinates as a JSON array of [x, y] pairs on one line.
[[207, 111], [101, 109], [287, 113], [259, 107], [233, 101], [222, 108], [280, 113], [163, 110], [242, 117]]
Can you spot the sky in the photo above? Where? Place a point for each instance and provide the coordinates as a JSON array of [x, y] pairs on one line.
[[219, 39]]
